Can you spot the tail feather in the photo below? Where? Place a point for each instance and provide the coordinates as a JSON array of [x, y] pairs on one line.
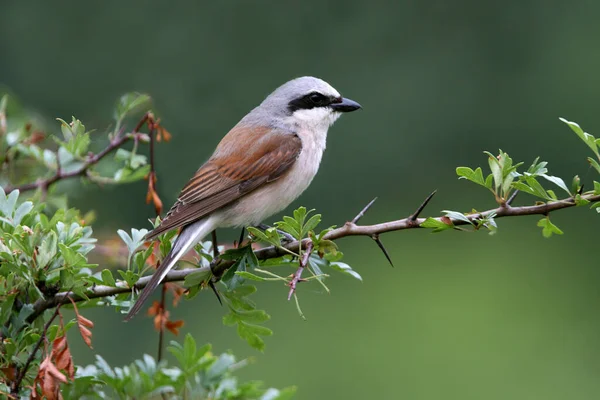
[[189, 236]]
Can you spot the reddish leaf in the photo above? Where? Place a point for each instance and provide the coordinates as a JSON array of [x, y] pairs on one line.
[[35, 137], [62, 356], [162, 133], [173, 326], [176, 290], [154, 309], [83, 324], [446, 220], [9, 372], [152, 195], [48, 379]]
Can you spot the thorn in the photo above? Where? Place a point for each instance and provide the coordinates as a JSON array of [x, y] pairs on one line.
[[214, 289], [214, 243], [415, 215], [382, 247], [363, 211], [512, 198], [241, 237], [580, 191]]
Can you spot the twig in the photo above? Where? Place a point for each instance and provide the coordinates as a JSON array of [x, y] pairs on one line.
[[161, 332], [348, 229], [23, 371], [301, 265], [151, 181]]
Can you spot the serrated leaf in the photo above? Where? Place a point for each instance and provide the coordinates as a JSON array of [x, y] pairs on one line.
[[473, 176], [311, 224], [548, 228], [107, 278]]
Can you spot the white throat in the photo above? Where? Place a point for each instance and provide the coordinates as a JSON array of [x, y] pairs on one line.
[[312, 125]]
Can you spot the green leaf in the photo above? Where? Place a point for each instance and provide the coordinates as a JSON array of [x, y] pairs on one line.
[[107, 278], [594, 164], [47, 250], [346, 269], [196, 278], [548, 228], [72, 257], [246, 261], [588, 139], [251, 316], [457, 216], [596, 187], [557, 181], [21, 212], [130, 103], [580, 201], [128, 175], [474, 176], [436, 225], [496, 169], [311, 224]]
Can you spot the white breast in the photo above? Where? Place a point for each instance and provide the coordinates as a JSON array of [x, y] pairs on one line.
[[255, 207]]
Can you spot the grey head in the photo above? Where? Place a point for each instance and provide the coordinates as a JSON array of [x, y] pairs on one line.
[[307, 99]]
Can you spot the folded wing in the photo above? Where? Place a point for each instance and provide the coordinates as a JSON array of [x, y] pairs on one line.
[[246, 159]]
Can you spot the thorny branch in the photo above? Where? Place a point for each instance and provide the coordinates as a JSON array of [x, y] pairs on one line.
[[301, 265], [348, 229], [92, 159]]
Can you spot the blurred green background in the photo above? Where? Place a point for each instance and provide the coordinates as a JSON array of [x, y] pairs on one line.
[[462, 316]]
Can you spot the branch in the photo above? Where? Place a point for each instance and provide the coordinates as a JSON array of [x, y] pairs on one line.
[[349, 229], [301, 265], [92, 160], [23, 372]]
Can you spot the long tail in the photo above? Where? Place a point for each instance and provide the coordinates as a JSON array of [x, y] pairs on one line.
[[189, 236]]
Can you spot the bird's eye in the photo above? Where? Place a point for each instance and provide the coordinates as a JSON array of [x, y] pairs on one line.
[[318, 99]]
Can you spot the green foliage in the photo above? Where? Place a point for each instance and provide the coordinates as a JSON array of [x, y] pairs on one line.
[[197, 374], [44, 249], [505, 178]]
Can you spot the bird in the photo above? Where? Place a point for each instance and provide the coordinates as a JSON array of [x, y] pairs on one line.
[[259, 167]]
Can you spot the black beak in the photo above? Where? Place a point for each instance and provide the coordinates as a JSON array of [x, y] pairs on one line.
[[345, 105]]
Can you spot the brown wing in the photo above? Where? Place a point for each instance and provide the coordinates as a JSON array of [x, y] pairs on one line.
[[246, 159]]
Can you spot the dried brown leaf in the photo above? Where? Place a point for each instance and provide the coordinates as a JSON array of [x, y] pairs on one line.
[[173, 326], [83, 324]]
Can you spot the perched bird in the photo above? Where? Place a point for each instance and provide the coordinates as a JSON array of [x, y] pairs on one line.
[[263, 164]]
